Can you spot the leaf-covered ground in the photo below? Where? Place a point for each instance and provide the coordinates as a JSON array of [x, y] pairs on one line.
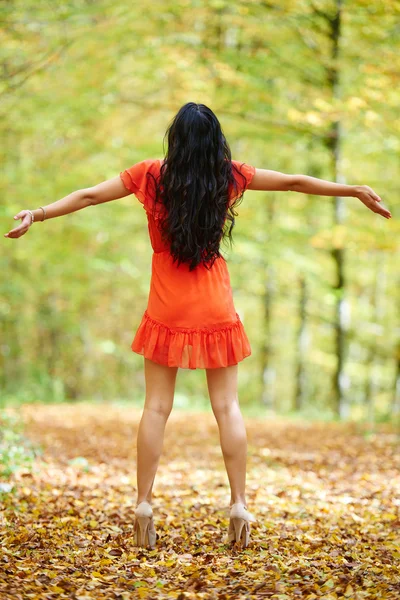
[[326, 498]]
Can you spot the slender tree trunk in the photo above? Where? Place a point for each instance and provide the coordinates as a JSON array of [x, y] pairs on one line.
[[301, 345], [396, 391], [396, 387], [267, 370], [338, 254], [13, 365], [372, 387]]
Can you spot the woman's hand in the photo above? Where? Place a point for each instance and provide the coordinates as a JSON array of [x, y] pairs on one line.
[[23, 227], [371, 200]]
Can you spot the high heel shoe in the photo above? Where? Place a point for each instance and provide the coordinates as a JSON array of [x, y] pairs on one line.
[[239, 524], [144, 533]]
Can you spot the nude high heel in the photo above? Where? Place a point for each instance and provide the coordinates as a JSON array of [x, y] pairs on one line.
[[144, 532], [239, 525]]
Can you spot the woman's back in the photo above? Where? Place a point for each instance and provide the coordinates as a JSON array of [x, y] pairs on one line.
[[190, 320], [136, 180]]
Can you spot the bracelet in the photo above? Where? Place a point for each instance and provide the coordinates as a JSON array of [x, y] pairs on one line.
[[44, 213], [32, 217]]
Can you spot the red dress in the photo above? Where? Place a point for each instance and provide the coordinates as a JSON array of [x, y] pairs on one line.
[[190, 320]]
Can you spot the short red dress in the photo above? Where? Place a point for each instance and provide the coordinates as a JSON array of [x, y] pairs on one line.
[[190, 320]]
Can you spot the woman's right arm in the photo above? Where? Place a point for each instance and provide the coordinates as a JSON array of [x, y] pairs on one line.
[[267, 180]]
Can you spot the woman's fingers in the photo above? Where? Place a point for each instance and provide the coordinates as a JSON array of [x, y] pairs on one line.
[[22, 228], [17, 232], [373, 202], [374, 195], [382, 210]]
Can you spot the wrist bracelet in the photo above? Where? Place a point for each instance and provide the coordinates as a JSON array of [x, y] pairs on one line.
[[32, 217], [44, 213]]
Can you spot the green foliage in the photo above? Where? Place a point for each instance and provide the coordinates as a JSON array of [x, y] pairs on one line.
[[16, 451], [88, 89]]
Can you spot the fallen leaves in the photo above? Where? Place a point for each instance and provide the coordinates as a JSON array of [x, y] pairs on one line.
[[326, 501]]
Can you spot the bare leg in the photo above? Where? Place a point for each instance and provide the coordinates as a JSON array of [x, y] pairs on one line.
[[160, 388], [222, 388]]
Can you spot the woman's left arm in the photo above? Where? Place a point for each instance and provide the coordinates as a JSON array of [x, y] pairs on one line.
[[112, 189]]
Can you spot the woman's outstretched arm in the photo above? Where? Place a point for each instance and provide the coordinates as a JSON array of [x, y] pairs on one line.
[[112, 189], [266, 180]]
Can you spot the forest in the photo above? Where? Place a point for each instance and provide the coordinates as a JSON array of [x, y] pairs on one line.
[[88, 89]]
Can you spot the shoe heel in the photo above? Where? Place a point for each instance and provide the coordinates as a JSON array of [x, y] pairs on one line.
[[241, 528], [143, 530], [145, 533]]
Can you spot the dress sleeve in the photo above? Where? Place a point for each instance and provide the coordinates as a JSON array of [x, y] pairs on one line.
[[135, 179], [245, 169]]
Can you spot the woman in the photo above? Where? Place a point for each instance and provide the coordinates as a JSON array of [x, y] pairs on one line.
[[190, 320]]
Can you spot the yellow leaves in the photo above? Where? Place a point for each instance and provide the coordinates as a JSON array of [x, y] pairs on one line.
[[333, 238], [294, 115], [378, 81], [306, 483], [356, 517], [349, 591], [328, 584], [354, 103], [314, 118], [354, 239], [323, 114], [389, 516], [323, 105], [227, 73], [375, 95], [52, 574], [371, 118], [339, 236], [41, 530]]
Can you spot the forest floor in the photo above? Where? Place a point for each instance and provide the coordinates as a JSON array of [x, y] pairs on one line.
[[326, 497]]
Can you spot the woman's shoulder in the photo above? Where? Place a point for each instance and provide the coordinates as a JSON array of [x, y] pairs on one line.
[[148, 163], [241, 164], [244, 169], [151, 163]]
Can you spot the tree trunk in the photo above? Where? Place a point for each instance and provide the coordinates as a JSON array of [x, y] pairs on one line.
[[396, 387], [338, 254], [267, 370], [372, 387], [301, 344], [396, 391]]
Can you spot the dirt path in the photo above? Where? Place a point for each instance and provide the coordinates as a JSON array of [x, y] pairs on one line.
[[327, 500]]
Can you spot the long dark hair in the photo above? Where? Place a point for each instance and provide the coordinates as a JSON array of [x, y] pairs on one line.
[[193, 187]]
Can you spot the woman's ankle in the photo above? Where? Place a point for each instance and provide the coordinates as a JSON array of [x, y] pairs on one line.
[[238, 500], [138, 501]]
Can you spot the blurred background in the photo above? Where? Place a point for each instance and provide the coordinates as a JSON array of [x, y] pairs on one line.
[[89, 88]]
